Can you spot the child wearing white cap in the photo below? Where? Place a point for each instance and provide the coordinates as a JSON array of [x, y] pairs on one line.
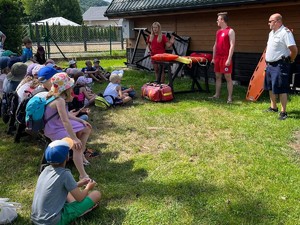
[[114, 94], [58, 198]]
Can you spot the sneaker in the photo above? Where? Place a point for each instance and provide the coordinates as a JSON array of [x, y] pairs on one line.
[[282, 116], [270, 109]]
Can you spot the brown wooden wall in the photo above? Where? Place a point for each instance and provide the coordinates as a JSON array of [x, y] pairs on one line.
[[250, 25]]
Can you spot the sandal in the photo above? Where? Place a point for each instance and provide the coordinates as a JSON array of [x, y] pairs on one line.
[[86, 163], [90, 153], [213, 97], [229, 101]]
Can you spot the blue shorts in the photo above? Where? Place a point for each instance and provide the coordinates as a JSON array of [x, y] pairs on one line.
[[277, 78]]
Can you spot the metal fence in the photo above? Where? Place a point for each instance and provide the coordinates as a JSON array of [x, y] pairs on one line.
[[71, 41]]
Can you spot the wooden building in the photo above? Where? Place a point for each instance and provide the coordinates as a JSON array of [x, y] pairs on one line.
[[197, 19]]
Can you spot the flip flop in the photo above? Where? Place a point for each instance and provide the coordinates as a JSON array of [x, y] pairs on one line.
[[213, 97]]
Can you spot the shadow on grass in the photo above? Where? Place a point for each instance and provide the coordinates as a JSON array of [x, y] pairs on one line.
[[294, 114], [206, 203]]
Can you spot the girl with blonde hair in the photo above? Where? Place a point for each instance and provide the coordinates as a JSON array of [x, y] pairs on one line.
[[157, 44]]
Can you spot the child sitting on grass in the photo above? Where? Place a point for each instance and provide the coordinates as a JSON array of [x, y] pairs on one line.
[[100, 71], [89, 71], [113, 93], [58, 199], [82, 98]]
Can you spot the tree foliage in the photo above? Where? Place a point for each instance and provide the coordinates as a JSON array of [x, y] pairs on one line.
[[43, 9], [86, 4], [11, 14]]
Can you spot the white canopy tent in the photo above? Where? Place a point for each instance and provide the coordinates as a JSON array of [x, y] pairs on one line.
[[57, 20]]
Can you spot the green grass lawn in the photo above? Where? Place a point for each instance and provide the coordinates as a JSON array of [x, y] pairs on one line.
[[190, 161]]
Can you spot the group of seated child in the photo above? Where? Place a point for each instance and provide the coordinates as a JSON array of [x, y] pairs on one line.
[[65, 116]]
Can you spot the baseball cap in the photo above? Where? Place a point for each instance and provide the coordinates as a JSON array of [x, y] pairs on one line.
[[46, 73], [96, 60], [71, 62], [118, 72], [57, 151]]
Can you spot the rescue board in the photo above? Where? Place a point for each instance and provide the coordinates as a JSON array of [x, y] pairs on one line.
[[196, 59], [184, 60], [164, 57], [256, 85]]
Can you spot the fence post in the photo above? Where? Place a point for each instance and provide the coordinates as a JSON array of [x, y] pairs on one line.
[[84, 35], [37, 33], [30, 31], [110, 37], [122, 39], [47, 34]]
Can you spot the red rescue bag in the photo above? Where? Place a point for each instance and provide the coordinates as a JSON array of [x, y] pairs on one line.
[[204, 55], [157, 92]]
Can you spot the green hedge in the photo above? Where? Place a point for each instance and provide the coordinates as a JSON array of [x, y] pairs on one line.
[[75, 33]]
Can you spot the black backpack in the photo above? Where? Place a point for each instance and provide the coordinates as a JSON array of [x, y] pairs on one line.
[[9, 105], [21, 114]]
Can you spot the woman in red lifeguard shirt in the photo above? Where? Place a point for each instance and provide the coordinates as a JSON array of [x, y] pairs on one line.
[[157, 43]]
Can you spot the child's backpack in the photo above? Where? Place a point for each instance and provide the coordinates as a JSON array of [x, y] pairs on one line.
[[76, 103], [9, 105], [101, 102], [21, 110], [35, 109]]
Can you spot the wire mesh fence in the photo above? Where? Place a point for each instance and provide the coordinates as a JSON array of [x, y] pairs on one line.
[[71, 41]]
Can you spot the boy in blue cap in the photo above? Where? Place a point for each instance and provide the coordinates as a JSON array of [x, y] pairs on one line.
[[58, 199]]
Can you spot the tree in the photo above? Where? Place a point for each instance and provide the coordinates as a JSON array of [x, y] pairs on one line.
[[11, 14], [86, 4], [40, 9]]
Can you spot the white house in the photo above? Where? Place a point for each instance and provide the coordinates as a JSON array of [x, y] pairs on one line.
[[94, 16]]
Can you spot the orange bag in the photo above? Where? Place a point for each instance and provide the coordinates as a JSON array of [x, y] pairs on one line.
[[157, 92]]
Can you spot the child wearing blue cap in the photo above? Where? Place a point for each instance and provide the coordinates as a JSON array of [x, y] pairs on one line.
[[58, 199]]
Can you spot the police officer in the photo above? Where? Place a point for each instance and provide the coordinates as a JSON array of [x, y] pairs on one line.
[[281, 52]]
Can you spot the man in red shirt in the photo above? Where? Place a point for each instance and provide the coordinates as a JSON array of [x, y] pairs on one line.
[[222, 55]]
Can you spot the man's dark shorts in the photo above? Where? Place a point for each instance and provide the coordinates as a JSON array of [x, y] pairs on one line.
[[277, 78]]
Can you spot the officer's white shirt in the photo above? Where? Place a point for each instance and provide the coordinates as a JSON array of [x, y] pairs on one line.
[[278, 44]]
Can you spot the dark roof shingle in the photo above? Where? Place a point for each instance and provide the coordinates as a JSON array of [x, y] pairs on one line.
[[120, 8]]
